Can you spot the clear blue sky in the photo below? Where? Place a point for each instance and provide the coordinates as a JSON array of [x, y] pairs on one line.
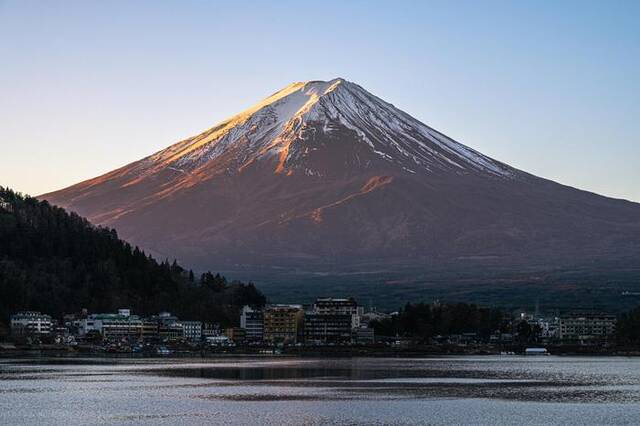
[[549, 87]]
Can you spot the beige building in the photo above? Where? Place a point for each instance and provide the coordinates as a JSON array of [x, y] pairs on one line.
[[236, 334], [283, 323]]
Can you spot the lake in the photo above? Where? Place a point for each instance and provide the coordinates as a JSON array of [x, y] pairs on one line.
[[292, 391]]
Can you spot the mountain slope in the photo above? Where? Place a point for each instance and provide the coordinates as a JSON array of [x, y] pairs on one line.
[[324, 176]]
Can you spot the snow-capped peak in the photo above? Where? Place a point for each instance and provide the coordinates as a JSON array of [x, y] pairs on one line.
[[275, 125]]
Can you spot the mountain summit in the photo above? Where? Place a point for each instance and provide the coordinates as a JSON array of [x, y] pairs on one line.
[[324, 176], [285, 125]]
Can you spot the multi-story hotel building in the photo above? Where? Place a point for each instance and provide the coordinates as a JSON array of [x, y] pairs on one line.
[[283, 323], [113, 326], [327, 328], [252, 321], [333, 306], [586, 326], [29, 323]]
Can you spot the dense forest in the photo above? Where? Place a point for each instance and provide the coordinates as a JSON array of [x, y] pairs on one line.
[[628, 327], [57, 262], [423, 321]]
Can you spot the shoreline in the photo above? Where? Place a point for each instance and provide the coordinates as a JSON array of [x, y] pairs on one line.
[[325, 352]]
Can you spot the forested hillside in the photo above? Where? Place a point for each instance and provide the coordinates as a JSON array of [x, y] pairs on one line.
[[56, 262]]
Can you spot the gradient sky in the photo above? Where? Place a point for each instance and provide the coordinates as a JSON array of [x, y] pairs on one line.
[[550, 88]]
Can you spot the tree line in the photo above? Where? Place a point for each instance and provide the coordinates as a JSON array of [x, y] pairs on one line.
[[423, 321], [57, 262]]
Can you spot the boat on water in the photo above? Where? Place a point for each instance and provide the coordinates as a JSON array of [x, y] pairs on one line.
[[536, 351], [163, 350]]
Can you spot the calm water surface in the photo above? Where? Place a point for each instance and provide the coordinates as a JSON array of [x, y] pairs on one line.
[[280, 391]]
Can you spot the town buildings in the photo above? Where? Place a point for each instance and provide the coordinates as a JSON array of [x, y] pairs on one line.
[[29, 323], [373, 315], [586, 327], [328, 321], [123, 325], [169, 326], [6, 205], [237, 335], [192, 330], [149, 329], [364, 335], [333, 306], [210, 330], [112, 326], [336, 321], [252, 321], [283, 323], [327, 328]]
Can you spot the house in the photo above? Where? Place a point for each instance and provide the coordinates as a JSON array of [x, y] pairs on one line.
[[6, 205]]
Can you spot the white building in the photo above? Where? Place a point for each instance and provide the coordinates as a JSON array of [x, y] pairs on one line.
[[548, 327], [371, 316], [587, 326], [210, 330], [252, 320], [112, 326], [218, 341], [30, 323], [192, 330], [169, 326]]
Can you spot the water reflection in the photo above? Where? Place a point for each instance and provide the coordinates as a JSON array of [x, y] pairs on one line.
[[483, 390]]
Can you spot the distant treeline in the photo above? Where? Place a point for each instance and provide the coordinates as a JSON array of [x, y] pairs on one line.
[[423, 321], [628, 327], [57, 262]]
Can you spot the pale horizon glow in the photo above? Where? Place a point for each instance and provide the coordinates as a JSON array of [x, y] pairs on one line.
[[551, 89]]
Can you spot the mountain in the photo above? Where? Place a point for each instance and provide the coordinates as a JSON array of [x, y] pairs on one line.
[[58, 263], [326, 178]]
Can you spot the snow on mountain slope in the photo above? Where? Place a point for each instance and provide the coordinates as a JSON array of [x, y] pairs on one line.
[[272, 128]]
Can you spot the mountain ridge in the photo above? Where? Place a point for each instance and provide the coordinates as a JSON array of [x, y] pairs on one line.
[[326, 176]]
